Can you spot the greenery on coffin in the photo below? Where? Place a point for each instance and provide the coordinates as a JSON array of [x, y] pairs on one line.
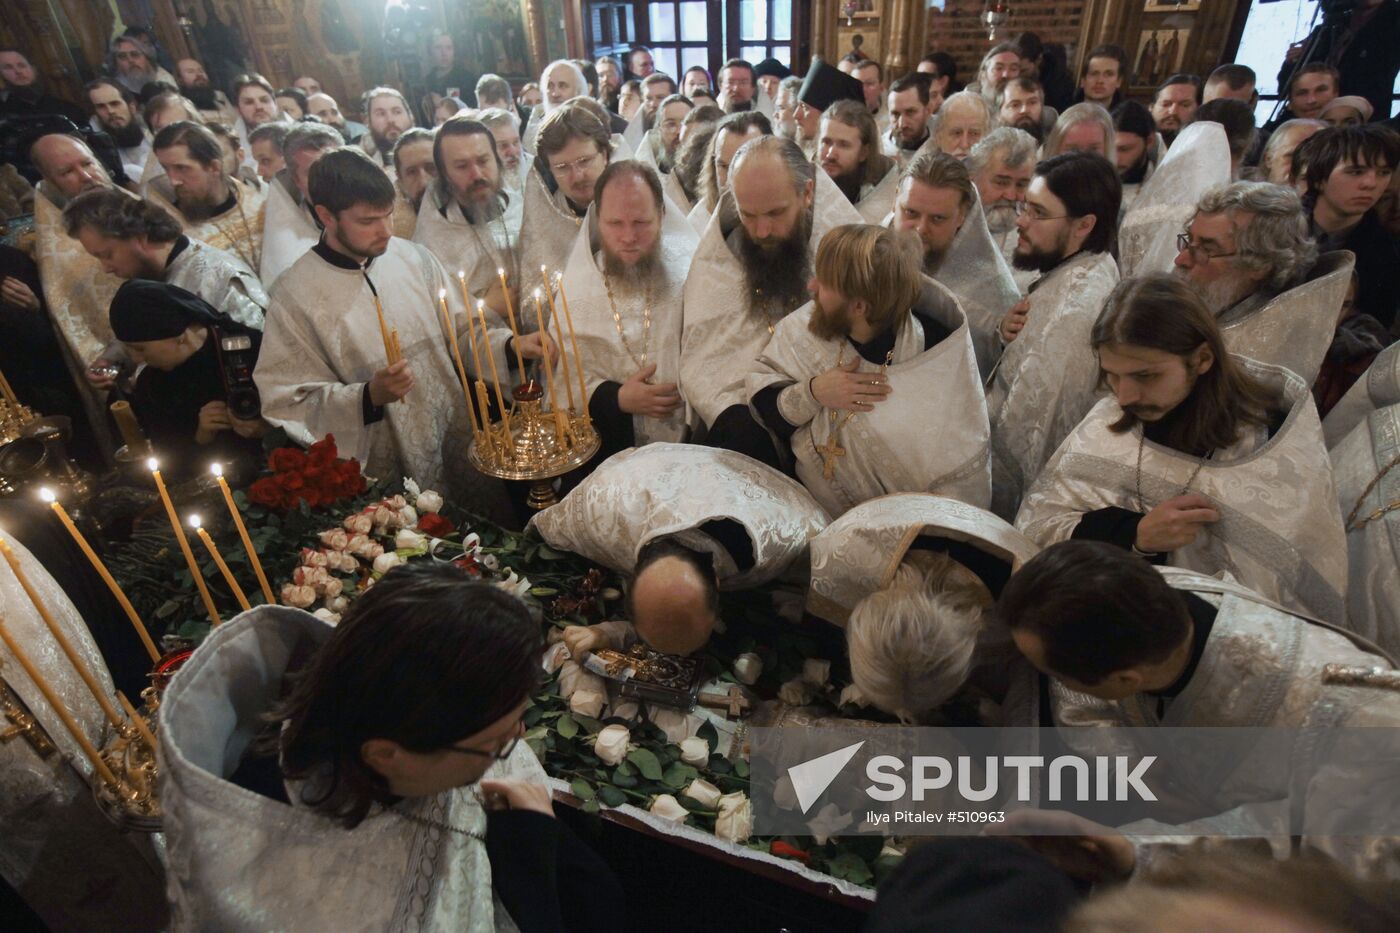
[[299, 543]]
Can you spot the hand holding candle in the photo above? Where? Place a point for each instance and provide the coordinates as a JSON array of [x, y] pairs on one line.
[[218, 471], [238, 593]]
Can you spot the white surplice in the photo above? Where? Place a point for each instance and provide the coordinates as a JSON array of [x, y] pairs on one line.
[[1294, 328], [605, 358], [1366, 465], [1377, 388], [240, 861], [1198, 160], [322, 344], [1280, 533], [289, 230], [548, 230], [877, 200], [936, 393], [1047, 378], [722, 335], [238, 230], [644, 493], [860, 552], [222, 279]]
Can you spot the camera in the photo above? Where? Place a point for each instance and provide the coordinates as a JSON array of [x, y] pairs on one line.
[[237, 356]]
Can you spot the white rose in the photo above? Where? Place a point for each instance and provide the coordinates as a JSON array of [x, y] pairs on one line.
[[396, 502], [337, 604], [409, 540], [310, 558], [695, 751], [410, 486], [747, 668], [385, 517], [335, 539], [797, 692], [668, 808], [611, 744], [735, 820], [332, 588], [703, 793], [409, 516], [587, 701], [299, 596], [358, 524], [373, 550], [325, 615], [816, 672], [828, 822], [386, 562], [428, 501]]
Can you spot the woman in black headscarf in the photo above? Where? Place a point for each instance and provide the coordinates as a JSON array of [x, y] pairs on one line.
[[192, 355]]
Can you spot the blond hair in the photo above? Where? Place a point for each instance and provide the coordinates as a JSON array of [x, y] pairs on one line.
[[875, 264]]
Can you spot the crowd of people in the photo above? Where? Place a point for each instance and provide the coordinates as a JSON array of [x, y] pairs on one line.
[[1028, 382]]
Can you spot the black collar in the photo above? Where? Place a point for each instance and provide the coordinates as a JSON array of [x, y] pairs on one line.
[[182, 243], [1202, 621], [337, 258]]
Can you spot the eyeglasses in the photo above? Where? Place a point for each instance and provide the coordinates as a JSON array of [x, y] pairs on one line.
[[1184, 244], [572, 168], [1025, 207], [501, 754]]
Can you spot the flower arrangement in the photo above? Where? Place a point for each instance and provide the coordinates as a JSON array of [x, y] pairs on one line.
[[316, 476]]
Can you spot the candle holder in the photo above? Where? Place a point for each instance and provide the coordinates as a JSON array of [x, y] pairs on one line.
[[131, 801], [535, 445]]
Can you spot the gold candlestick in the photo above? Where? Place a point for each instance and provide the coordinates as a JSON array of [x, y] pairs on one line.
[[76, 731], [218, 471], [457, 359], [573, 342], [137, 722], [64, 644], [184, 542], [559, 329], [238, 593], [47, 495]]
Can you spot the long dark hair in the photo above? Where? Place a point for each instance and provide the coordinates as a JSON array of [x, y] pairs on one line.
[[426, 658], [1164, 312]]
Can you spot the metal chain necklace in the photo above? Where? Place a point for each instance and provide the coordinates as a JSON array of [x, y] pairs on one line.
[[763, 306], [832, 448], [1352, 524], [1137, 481], [439, 824], [646, 323], [507, 255]]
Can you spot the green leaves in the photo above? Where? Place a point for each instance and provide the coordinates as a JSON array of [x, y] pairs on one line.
[[566, 726], [582, 789], [646, 762], [611, 796], [679, 775], [851, 867]]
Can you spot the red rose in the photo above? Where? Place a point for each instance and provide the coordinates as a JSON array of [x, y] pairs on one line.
[[290, 481], [285, 459], [323, 451], [266, 492], [783, 850], [431, 523]]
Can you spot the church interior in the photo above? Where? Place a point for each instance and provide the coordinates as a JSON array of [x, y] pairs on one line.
[[761, 465]]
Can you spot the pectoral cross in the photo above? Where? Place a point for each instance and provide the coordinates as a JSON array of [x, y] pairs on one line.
[[830, 451]]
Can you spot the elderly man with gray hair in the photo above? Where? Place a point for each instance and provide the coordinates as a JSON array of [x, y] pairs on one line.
[[964, 118], [1001, 166], [1249, 252]]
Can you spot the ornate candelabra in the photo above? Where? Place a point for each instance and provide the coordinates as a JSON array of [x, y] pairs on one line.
[[531, 443]]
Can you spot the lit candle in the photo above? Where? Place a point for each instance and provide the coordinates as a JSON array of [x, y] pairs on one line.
[[384, 332], [491, 358], [457, 358], [481, 397], [573, 342], [559, 329], [64, 644], [218, 472], [550, 380], [129, 427], [514, 330], [69, 723], [47, 495], [238, 593], [137, 721], [510, 306], [184, 542]]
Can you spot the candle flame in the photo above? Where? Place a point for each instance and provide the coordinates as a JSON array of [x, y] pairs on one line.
[[217, 469], [500, 270], [461, 274], [152, 464], [442, 293], [47, 495], [537, 294], [544, 271], [480, 304], [194, 521]]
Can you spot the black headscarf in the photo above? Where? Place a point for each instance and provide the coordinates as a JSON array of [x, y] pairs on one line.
[[143, 310]]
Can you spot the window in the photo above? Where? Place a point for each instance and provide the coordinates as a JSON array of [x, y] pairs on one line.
[[688, 33], [765, 30]]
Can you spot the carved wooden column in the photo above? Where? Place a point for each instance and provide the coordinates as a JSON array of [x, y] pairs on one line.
[[896, 54], [535, 35], [820, 32]]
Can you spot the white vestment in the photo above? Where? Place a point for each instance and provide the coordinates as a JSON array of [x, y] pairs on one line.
[[1198, 160], [1279, 532], [600, 342], [722, 335], [289, 230], [222, 279], [240, 861], [860, 552], [672, 489], [323, 344], [238, 230], [75, 867], [547, 234], [671, 187], [699, 215], [876, 201], [636, 131], [1377, 388], [1047, 378], [936, 393], [1366, 462], [1295, 328], [1262, 667]]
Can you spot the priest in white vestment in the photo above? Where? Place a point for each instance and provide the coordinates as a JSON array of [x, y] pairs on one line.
[[624, 283], [1366, 465], [1200, 460], [1198, 161], [857, 429], [65, 857], [325, 367], [1378, 387], [730, 134], [848, 150], [1047, 379], [290, 227], [1237, 660], [750, 271], [1001, 165]]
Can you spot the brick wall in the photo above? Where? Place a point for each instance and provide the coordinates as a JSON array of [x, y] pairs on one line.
[[957, 28]]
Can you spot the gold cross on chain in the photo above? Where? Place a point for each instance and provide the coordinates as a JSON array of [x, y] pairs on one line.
[[830, 451]]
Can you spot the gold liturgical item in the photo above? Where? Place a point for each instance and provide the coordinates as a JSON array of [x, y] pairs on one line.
[[643, 674], [532, 442]]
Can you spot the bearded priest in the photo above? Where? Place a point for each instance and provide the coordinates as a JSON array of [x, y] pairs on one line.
[[750, 271], [1045, 382], [624, 283], [327, 367], [1199, 460], [855, 427]]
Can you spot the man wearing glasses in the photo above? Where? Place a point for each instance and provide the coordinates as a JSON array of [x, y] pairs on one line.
[[1046, 380], [1248, 251]]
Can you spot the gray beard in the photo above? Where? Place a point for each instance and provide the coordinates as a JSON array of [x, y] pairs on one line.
[[1222, 294], [634, 279], [480, 212], [1001, 218]]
